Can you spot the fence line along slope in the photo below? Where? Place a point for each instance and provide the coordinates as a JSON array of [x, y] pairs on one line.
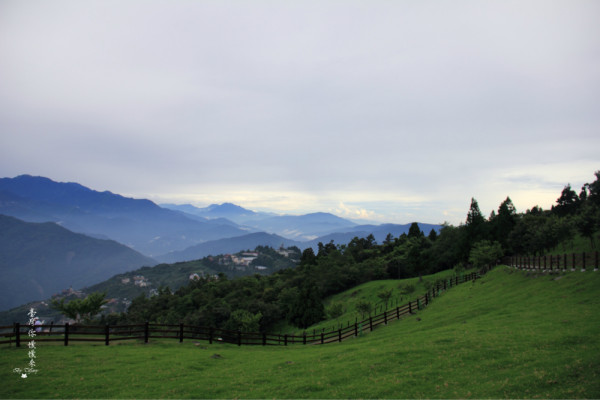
[[511, 334], [66, 333]]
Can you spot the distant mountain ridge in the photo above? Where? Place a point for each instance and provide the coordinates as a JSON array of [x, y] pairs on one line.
[[229, 246], [138, 223], [175, 230], [296, 227], [226, 210], [40, 259]]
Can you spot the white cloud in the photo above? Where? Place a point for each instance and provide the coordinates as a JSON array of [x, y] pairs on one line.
[[354, 212]]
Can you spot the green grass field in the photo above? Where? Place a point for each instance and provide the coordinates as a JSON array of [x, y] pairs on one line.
[[508, 335]]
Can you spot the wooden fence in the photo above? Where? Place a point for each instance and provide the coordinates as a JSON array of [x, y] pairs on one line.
[[20, 333], [555, 263]]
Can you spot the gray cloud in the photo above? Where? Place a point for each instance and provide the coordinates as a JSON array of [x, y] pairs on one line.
[[401, 109]]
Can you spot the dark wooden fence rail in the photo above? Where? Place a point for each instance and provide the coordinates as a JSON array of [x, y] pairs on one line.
[[556, 262], [19, 333]]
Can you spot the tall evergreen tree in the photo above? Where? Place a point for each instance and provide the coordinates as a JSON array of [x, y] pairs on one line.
[[475, 224], [414, 231], [504, 222], [432, 235], [474, 216]]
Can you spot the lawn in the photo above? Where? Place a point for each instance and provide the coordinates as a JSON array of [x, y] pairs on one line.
[[508, 335]]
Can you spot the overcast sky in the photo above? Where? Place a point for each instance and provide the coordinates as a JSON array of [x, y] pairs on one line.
[[394, 111]]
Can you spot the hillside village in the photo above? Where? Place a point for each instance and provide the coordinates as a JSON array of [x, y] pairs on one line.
[[123, 288]]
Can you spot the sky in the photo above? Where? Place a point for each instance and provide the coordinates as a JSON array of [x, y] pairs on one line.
[[385, 111]]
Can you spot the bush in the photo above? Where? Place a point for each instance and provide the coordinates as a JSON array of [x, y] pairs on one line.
[[408, 289], [335, 310]]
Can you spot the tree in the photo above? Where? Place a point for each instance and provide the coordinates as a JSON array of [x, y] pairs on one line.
[[432, 235], [385, 296], [389, 239], [335, 310], [474, 216], [594, 189], [475, 222], [325, 250], [414, 231], [504, 222], [567, 203], [485, 253], [78, 309], [244, 321], [364, 307], [448, 249], [308, 257], [587, 221], [536, 233], [307, 309]]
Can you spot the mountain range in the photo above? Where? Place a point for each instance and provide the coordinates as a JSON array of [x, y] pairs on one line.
[[75, 216], [137, 223], [40, 259], [296, 227]]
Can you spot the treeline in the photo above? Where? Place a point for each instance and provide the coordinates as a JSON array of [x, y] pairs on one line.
[[257, 303]]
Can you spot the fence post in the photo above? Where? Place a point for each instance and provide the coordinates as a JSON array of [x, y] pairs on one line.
[[385, 317], [409, 307], [426, 299], [239, 338], [106, 333], [264, 339], [583, 262], [18, 334], [340, 335], [573, 263], [397, 312], [210, 335], [67, 334], [304, 338], [370, 323], [285, 339], [565, 262], [355, 329], [146, 332], [180, 332]]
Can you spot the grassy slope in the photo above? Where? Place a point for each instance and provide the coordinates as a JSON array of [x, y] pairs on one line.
[[507, 335], [368, 292]]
